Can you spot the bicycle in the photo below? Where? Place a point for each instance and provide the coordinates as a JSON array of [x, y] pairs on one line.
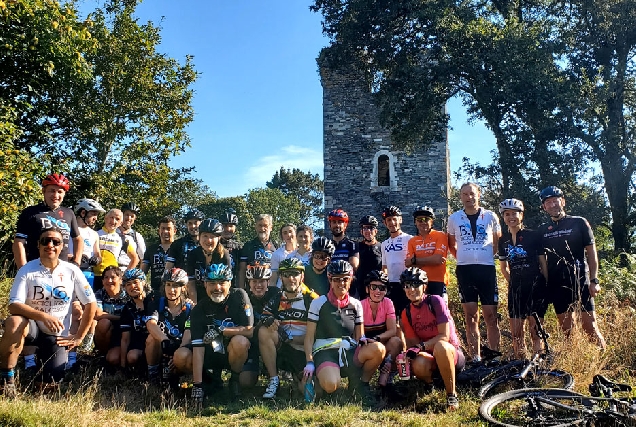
[[560, 408], [531, 373]]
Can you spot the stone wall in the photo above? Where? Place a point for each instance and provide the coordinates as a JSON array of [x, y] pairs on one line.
[[353, 140]]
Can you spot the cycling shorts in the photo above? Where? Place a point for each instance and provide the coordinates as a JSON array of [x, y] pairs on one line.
[[527, 298], [53, 356], [477, 282], [567, 296]]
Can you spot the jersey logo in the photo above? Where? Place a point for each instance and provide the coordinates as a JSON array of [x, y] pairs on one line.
[[394, 247]]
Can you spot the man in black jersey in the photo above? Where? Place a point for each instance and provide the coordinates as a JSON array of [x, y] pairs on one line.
[[220, 326], [50, 213], [230, 242], [346, 249], [572, 264], [179, 250], [155, 256], [259, 249], [370, 252]]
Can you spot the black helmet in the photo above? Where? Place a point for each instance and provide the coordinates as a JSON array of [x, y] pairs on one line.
[[550, 191], [212, 226], [291, 264], [368, 220], [229, 217], [391, 211], [376, 276], [258, 271], [424, 211], [322, 244], [414, 275], [195, 214], [130, 206], [339, 268]]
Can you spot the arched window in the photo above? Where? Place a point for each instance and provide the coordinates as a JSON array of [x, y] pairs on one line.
[[384, 177]]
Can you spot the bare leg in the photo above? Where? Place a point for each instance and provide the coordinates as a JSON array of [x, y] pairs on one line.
[[492, 325], [471, 314]]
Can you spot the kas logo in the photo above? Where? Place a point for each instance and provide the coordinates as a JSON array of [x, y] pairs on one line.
[[394, 247]]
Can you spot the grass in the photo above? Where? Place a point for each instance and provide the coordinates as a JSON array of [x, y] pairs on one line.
[[96, 399]]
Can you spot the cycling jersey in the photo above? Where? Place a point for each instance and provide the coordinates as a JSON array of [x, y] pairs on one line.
[[51, 292], [370, 259], [233, 247], [279, 255], [133, 318], [424, 319], [474, 246], [111, 304], [259, 304], [155, 257], [333, 322], [90, 237], [345, 249], [172, 326], [434, 243], [197, 262], [254, 250], [305, 258], [179, 250], [110, 245], [291, 312], [131, 237], [318, 282], [393, 255], [34, 219], [522, 256], [377, 325], [235, 310]]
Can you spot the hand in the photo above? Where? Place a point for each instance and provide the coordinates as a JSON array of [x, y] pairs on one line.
[[94, 260], [595, 288], [69, 342], [412, 352], [53, 324], [309, 370], [268, 321], [364, 341]]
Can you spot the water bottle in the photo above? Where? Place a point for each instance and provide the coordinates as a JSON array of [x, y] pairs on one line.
[[404, 366], [310, 392]]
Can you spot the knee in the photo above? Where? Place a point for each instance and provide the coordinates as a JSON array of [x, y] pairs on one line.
[[133, 357], [264, 335], [394, 345], [16, 325], [239, 344], [443, 349], [181, 356], [103, 326], [329, 385]]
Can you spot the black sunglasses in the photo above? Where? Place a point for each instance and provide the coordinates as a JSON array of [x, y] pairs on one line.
[[380, 288], [411, 285], [44, 241], [292, 273]]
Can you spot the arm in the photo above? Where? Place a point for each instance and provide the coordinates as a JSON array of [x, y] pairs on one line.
[[246, 331], [435, 259], [495, 242], [592, 263], [187, 338], [354, 260], [78, 249], [308, 344], [543, 264], [391, 329], [443, 334], [452, 245], [155, 331], [505, 271], [19, 252], [134, 258], [358, 331], [73, 340], [191, 290], [274, 279], [20, 309]]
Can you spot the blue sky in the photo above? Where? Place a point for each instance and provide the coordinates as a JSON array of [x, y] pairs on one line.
[[258, 100]]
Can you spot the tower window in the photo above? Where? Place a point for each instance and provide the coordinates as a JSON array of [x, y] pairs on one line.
[[383, 171]]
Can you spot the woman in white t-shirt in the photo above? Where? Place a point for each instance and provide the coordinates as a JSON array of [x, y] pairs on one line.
[[288, 236]]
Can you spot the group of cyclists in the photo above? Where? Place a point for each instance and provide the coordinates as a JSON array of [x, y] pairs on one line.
[[317, 308]]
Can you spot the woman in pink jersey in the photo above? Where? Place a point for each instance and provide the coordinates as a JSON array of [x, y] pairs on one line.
[[380, 323], [429, 332]]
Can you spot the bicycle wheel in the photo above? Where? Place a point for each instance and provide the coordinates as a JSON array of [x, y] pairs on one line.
[[537, 407], [541, 378]]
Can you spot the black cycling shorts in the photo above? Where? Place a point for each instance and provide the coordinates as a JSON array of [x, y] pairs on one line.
[[477, 282], [526, 298], [53, 356], [566, 296], [436, 288]]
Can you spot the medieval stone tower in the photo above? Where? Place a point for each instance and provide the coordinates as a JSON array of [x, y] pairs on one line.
[[363, 172]]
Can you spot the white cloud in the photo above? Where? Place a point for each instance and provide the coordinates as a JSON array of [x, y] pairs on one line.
[[289, 157]]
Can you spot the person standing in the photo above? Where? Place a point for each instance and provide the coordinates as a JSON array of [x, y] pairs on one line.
[[370, 252], [394, 251], [180, 248], [258, 249], [572, 264], [230, 221], [288, 246], [346, 249], [473, 236], [156, 255], [129, 236]]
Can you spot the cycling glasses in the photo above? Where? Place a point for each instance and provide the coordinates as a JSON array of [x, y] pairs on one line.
[[380, 288], [290, 273], [411, 285], [423, 218], [44, 241], [320, 257], [341, 279], [368, 228]]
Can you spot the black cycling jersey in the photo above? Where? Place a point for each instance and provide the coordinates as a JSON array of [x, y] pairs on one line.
[[133, 319], [259, 304], [234, 247], [254, 250], [522, 256], [156, 257], [345, 249], [172, 326], [111, 305], [332, 322], [196, 263], [370, 259], [179, 250], [236, 310], [34, 219], [318, 282]]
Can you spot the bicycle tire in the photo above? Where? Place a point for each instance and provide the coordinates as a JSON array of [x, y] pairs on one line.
[[536, 407], [541, 378], [480, 374]]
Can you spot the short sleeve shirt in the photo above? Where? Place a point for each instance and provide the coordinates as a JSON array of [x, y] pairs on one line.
[[477, 249], [377, 325], [564, 242], [133, 318], [333, 322], [370, 259], [155, 257], [394, 251], [197, 262], [522, 256], [345, 249], [254, 250], [424, 321], [135, 240], [112, 305], [172, 326], [435, 243], [179, 250], [318, 282]]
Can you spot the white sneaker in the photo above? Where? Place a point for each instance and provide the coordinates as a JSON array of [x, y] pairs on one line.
[[272, 388]]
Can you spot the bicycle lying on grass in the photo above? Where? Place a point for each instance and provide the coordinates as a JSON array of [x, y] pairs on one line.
[[560, 408]]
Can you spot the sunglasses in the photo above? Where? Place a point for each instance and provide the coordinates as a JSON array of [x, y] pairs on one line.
[[423, 219], [293, 273], [44, 241], [368, 228], [343, 279], [380, 288], [320, 257], [411, 285]]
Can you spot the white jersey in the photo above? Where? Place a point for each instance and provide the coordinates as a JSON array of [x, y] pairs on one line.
[[394, 251], [279, 255], [477, 249], [304, 258], [51, 292], [90, 238]]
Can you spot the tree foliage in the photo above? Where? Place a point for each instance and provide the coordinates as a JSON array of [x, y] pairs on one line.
[[308, 188]]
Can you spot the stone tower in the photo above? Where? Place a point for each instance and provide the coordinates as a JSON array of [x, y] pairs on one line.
[[363, 171]]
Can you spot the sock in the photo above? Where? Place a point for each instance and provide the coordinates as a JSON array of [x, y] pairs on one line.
[[72, 358], [275, 378], [392, 376], [29, 361], [7, 375], [153, 370]]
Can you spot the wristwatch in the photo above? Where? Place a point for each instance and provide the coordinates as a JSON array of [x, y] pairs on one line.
[[595, 281]]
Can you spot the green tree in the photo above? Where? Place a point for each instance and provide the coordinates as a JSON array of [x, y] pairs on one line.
[[308, 188], [283, 208], [216, 208]]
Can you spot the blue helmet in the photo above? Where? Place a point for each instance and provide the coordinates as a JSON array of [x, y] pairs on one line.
[[216, 272], [550, 191], [133, 274]]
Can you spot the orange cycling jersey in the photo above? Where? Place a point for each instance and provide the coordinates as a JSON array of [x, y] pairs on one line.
[[436, 242]]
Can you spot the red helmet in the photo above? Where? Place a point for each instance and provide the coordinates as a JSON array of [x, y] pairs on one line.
[[337, 214], [57, 179]]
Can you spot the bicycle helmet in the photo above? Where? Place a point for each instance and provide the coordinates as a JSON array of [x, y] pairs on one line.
[[229, 217], [195, 214], [88, 205], [368, 220], [391, 211], [338, 214], [216, 272], [134, 274], [130, 206], [291, 264], [322, 244], [376, 276], [339, 268], [57, 179], [212, 226], [511, 205], [550, 191], [176, 275], [414, 275], [258, 271], [424, 211]]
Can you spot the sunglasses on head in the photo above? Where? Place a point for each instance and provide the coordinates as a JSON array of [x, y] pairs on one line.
[[411, 285], [380, 288], [290, 273], [320, 257], [44, 241]]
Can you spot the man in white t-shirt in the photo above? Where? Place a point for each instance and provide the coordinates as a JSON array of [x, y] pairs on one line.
[[40, 304], [394, 251], [473, 235]]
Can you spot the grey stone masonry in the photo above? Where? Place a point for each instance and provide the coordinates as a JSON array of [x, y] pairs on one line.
[[356, 149]]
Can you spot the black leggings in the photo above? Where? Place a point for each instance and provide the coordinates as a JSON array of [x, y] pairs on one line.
[[53, 356]]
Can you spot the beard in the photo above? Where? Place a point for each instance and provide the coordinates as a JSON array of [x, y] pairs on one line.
[[263, 235], [217, 298]]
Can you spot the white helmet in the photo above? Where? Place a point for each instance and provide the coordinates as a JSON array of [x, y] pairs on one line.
[[89, 205], [511, 205]]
